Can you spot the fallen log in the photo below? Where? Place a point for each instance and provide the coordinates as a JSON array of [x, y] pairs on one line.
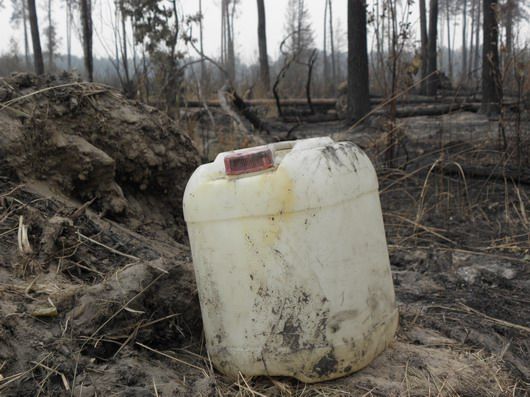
[[493, 171], [310, 118], [321, 104], [435, 109]]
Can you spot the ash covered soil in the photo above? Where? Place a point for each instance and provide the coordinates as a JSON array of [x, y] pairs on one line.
[[97, 294]]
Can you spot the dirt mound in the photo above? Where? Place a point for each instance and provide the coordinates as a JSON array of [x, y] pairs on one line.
[[77, 290], [90, 214], [130, 160]]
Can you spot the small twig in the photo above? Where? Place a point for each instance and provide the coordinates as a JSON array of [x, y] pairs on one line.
[[78, 212], [114, 251], [496, 320], [13, 378], [12, 191], [7, 104], [63, 377], [154, 387], [172, 358], [247, 387], [423, 227]]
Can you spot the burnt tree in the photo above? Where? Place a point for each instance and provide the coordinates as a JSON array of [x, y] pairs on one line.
[[476, 61], [358, 89], [509, 11], [491, 87], [19, 15], [432, 80], [262, 44], [332, 46], [464, 38], [424, 44], [35, 38], [69, 24], [86, 23]]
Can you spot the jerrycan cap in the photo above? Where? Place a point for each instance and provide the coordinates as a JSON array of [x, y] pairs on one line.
[[260, 158], [248, 161]]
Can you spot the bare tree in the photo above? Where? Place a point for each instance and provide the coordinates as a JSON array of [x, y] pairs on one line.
[[477, 37], [69, 15], [491, 81], [424, 45], [19, 15], [86, 22], [35, 38], [51, 37], [509, 16], [298, 27], [464, 41], [201, 44], [332, 46], [358, 88], [471, 40], [296, 49], [127, 83], [432, 81], [325, 43], [262, 44], [449, 47], [228, 11]]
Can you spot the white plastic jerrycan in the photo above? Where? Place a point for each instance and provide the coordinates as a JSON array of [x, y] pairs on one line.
[[291, 260]]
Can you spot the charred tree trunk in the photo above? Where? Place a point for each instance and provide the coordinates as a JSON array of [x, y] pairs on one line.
[[128, 84], [201, 44], [509, 64], [35, 38], [477, 39], [231, 50], [464, 44], [125, 56], [310, 64], [491, 88], [145, 76], [50, 38], [325, 45], [26, 41], [509, 26], [449, 54], [332, 47], [424, 45], [262, 44], [432, 81], [358, 88], [86, 22], [69, 33], [471, 40], [227, 38]]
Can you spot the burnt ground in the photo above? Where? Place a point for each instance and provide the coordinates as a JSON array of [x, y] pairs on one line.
[[98, 304]]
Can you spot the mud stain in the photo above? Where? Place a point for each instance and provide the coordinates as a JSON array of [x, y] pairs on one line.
[[343, 154], [326, 365], [291, 333]]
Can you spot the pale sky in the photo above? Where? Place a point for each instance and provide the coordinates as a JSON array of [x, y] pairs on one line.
[[245, 25]]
